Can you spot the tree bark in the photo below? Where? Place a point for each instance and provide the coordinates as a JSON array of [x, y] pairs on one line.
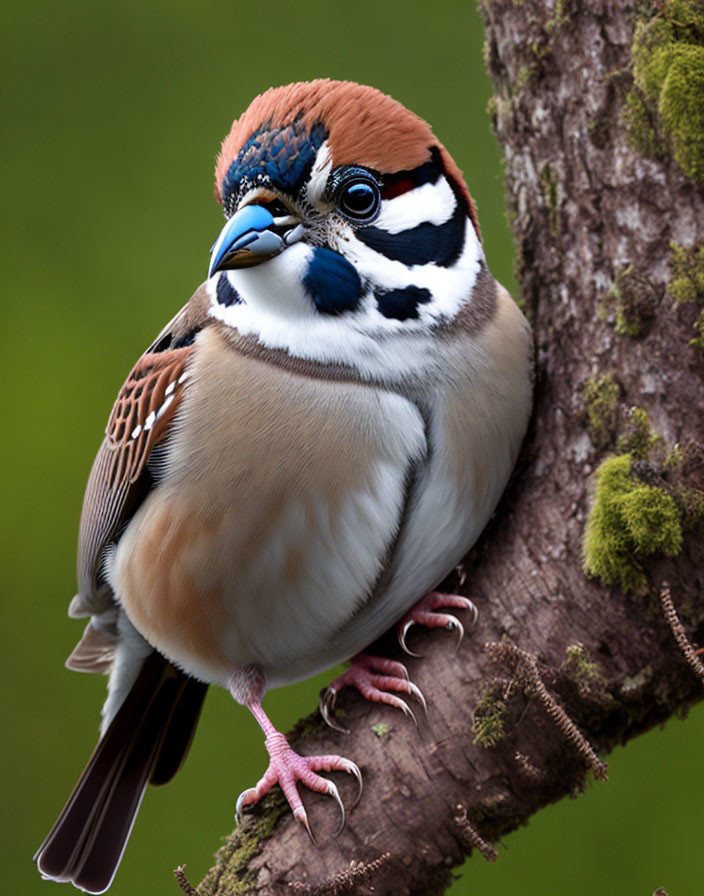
[[588, 210]]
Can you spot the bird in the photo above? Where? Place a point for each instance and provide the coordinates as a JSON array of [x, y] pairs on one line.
[[301, 455]]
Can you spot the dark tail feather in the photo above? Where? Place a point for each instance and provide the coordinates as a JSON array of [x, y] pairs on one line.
[[180, 731], [147, 740]]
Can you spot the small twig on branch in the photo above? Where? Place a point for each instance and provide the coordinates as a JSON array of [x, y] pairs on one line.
[[346, 881], [183, 882], [471, 838], [678, 631], [530, 771], [525, 669]]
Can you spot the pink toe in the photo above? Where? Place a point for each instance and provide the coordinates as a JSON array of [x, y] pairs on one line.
[[378, 680], [425, 612], [288, 769]]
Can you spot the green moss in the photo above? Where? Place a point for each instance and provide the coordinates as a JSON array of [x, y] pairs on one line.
[[634, 686], [500, 111], [639, 438], [682, 109], [687, 284], [652, 521], [381, 729], [539, 50], [557, 18], [231, 873], [665, 106], [549, 186], [682, 466], [524, 76], [674, 458], [687, 267], [633, 298], [601, 401], [488, 726], [587, 675], [691, 504], [310, 725], [628, 520], [697, 341]]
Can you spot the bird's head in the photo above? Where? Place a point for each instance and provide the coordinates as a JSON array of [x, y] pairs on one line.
[[348, 223]]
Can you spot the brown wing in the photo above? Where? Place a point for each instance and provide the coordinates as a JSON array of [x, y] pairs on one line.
[[143, 412], [140, 420]]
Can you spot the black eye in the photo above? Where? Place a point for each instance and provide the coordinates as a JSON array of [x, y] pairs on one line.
[[359, 198]]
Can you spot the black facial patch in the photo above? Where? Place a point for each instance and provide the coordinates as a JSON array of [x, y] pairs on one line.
[[226, 293], [438, 243], [332, 282], [401, 304]]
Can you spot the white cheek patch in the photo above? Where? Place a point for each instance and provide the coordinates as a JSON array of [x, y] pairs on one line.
[[279, 313], [318, 180], [450, 287], [427, 204]]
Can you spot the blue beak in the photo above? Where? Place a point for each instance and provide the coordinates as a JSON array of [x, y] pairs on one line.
[[250, 237]]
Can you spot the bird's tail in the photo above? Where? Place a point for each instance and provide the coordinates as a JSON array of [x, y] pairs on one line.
[[145, 743]]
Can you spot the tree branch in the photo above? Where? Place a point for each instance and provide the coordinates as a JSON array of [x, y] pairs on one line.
[[593, 220]]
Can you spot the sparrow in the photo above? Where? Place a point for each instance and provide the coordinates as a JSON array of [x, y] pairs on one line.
[[303, 453]]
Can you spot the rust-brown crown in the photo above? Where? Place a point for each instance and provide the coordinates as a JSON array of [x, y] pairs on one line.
[[364, 127]]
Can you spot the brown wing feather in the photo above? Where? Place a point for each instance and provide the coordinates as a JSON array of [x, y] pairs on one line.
[[143, 411], [140, 419]]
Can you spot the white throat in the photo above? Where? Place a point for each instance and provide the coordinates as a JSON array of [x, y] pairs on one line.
[[277, 311]]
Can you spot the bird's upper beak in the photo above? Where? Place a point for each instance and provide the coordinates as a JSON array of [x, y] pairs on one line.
[[251, 236]]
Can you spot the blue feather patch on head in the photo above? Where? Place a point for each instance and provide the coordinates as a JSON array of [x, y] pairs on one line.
[[279, 157], [332, 282], [401, 304]]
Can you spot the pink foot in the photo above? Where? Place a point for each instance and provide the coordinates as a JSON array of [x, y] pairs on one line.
[[425, 613], [374, 677], [286, 768]]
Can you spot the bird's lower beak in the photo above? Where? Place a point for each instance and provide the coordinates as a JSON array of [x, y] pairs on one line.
[[253, 235]]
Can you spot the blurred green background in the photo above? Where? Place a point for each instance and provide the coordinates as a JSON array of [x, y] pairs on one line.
[[113, 115]]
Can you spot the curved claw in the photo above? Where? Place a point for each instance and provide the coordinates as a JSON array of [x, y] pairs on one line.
[[239, 818], [454, 623], [474, 611], [353, 769], [301, 817], [335, 794], [326, 704], [402, 639], [406, 710], [418, 694]]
